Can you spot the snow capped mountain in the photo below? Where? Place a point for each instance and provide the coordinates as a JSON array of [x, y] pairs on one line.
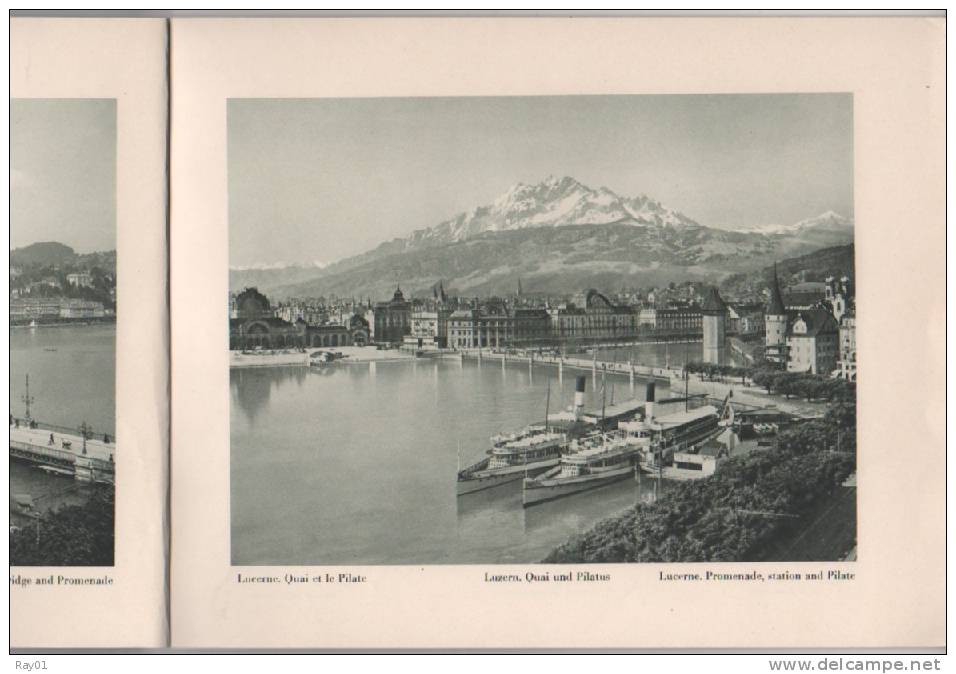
[[262, 266], [555, 202], [829, 220]]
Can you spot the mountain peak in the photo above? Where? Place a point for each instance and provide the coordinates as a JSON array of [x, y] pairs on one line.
[[831, 218], [553, 202]]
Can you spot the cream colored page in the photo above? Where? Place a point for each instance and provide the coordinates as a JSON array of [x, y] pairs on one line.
[[125, 60], [894, 70]]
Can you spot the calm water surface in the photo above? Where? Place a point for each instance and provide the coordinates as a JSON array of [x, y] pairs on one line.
[[72, 374], [72, 379], [355, 464]]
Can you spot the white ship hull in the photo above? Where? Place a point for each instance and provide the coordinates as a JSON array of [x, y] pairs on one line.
[[480, 480], [539, 491]]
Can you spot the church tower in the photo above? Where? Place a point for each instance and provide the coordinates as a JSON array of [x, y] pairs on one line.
[[775, 321], [714, 318]]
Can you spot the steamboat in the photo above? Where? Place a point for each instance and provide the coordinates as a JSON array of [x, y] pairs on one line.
[[529, 451]]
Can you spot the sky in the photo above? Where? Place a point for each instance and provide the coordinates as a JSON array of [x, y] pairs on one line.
[[63, 172], [317, 180]]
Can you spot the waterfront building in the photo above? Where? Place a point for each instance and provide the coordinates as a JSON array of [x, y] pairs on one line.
[[34, 308], [392, 319], [593, 318], [74, 309], [430, 327], [461, 329], [679, 321], [326, 335], [714, 318], [532, 327], [359, 330], [489, 325], [256, 325], [647, 317], [812, 342]]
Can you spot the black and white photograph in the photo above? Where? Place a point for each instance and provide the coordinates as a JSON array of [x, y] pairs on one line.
[[63, 445], [496, 330]]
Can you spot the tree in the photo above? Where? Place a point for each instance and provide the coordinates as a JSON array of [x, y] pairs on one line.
[[76, 535]]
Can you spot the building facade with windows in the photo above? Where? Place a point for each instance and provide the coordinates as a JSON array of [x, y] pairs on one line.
[[813, 342], [392, 319]]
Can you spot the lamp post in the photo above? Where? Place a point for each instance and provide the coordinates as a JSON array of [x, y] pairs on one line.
[[85, 430], [27, 399]]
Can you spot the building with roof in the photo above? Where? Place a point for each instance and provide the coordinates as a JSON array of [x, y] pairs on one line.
[[255, 325], [593, 317], [686, 321], [776, 322], [80, 279], [805, 295], [714, 323], [532, 327], [489, 325], [813, 342], [429, 328], [839, 295], [847, 359], [392, 319]]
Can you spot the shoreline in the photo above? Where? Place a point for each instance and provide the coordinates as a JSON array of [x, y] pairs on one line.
[[285, 358], [63, 324]]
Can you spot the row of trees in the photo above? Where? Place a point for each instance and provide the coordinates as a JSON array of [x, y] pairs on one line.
[[788, 384], [748, 505], [714, 371], [72, 535], [804, 385]]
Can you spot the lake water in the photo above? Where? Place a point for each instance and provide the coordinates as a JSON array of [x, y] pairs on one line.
[[72, 375], [72, 380], [356, 464]]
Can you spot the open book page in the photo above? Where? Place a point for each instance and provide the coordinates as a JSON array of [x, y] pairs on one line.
[[544, 333], [89, 337]]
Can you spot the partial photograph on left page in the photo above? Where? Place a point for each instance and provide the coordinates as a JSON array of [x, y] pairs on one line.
[[63, 444], [88, 384]]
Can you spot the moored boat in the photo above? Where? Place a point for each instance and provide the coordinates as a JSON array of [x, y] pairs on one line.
[[591, 462], [515, 455], [529, 452]]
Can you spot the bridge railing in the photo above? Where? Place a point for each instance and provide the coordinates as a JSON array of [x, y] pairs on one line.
[[93, 434]]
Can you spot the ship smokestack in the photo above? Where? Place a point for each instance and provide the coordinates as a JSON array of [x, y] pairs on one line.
[[649, 405], [579, 396]]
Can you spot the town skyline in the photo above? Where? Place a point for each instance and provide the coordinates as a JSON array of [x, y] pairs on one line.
[[311, 170]]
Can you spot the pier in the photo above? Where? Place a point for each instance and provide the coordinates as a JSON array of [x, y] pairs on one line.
[[66, 451]]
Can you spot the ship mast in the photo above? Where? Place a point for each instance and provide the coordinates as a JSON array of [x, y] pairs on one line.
[[603, 400], [547, 406]]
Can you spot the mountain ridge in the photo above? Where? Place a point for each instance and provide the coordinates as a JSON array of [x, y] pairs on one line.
[[594, 233]]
